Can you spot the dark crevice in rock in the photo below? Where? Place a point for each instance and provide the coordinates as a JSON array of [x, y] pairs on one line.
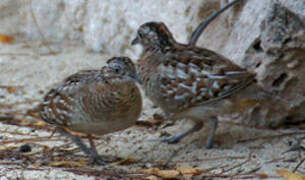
[[291, 120], [258, 64], [287, 40], [257, 46], [278, 81]]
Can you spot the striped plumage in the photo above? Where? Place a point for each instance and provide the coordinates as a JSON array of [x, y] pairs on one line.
[[187, 81], [95, 101]]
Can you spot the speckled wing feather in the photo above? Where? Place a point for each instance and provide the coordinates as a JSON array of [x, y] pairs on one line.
[[193, 76], [60, 101]]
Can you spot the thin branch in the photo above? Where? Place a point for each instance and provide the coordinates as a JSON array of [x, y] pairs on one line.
[[240, 164], [44, 40], [269, 137], [207, 21], [299, 165], [39, 139]]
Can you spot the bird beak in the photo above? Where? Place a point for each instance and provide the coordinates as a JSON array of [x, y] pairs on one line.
[[135, 41]]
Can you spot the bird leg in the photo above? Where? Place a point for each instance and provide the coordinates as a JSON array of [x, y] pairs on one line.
[[210, 140], [176, 138], [92, 145], [90, 152]]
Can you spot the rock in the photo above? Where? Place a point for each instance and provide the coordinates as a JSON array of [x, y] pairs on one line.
[[269, 39], [25, 148], [104, 26]]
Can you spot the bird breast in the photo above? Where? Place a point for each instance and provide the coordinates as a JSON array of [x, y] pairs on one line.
[[119, 104], [97, 107]]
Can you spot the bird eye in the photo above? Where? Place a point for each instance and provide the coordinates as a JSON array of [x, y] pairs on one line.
[[117, 70], [140, 34]]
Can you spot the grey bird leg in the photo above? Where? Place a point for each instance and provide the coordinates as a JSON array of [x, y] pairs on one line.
[[178, 137], [92, 145], [210, 140], [90, 152]]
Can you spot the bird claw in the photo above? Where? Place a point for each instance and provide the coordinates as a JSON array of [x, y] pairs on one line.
[[209, 145], [98, 160]]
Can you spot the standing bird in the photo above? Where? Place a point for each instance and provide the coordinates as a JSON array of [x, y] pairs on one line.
[[191, 82], [95, 102]]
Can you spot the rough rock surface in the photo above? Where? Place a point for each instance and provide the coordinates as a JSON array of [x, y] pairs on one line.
[[105, 26], [57, 38], [269, 39]]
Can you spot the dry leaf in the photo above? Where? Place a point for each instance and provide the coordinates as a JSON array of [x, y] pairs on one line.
[[289, 175], [189, 170], [78, 134], [126, 161], [31, 123], [40, 123], [68, 163], [149, 171], [263, 175], [8, 147], [36, 164], [6, 39], [12, 89], [168, 174], [31, 153], [152, 177]]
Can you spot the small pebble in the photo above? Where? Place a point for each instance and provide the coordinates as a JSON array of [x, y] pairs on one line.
[[25, 148]]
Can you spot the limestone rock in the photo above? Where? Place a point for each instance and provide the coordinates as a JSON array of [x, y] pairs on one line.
[[267, 38], [103, 26]]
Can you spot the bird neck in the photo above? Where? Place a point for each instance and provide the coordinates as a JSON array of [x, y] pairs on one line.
[[160, 47], [161, 44]]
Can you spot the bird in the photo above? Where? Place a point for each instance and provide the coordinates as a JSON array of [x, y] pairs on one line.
[[95, 102], [191, 82]]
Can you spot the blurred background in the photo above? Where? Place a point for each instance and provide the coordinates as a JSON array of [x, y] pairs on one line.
[[42, 42]]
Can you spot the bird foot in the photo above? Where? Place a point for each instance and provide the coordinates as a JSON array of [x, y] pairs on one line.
[[103, 160], [98, 160], [209, 145]]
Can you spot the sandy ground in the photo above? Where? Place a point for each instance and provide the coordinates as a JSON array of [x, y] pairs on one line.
[[29, 70]]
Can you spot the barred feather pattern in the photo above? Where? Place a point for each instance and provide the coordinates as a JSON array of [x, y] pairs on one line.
[[89, 99], [177, 76], [60, 103]]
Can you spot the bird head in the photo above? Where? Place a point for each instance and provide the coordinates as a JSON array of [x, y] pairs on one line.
[[123, 66], [153, 34]]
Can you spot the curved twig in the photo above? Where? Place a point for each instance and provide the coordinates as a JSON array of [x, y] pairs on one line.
[[207, 21]]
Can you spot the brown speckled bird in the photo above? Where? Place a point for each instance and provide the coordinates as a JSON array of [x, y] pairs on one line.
[[190, 82], [95, 102]]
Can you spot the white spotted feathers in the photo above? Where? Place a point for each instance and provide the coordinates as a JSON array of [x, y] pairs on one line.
[[177, 76]]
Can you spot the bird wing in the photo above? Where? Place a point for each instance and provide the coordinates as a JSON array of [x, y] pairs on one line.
[[194, 76], [59, 102]]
